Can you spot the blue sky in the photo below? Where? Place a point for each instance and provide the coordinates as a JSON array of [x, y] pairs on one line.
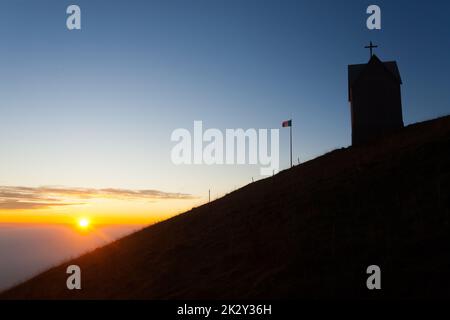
[[96, 107]]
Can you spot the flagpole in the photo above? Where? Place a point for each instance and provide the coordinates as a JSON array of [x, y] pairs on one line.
[[291, 140]]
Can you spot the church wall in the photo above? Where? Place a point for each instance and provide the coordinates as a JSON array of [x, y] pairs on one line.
[[376, 106]]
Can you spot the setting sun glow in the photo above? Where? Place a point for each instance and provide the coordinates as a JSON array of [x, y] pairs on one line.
[[83, 223], [85, 207]]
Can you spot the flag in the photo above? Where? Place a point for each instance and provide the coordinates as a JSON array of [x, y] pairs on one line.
[[287, 123]]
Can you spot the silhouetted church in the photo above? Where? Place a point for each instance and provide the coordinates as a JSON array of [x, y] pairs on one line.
[[375, 99]]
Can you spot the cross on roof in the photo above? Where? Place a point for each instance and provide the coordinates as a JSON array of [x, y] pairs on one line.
[[371, 46]]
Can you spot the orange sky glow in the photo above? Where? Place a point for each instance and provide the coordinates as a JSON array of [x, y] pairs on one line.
[[100, 206]]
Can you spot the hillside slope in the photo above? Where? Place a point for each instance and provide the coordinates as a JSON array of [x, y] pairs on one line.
[[310, 231]]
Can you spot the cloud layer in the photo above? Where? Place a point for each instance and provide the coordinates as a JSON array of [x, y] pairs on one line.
[[20, 198]]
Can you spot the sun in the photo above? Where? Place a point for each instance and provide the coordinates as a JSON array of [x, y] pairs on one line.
[[84, 223]]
